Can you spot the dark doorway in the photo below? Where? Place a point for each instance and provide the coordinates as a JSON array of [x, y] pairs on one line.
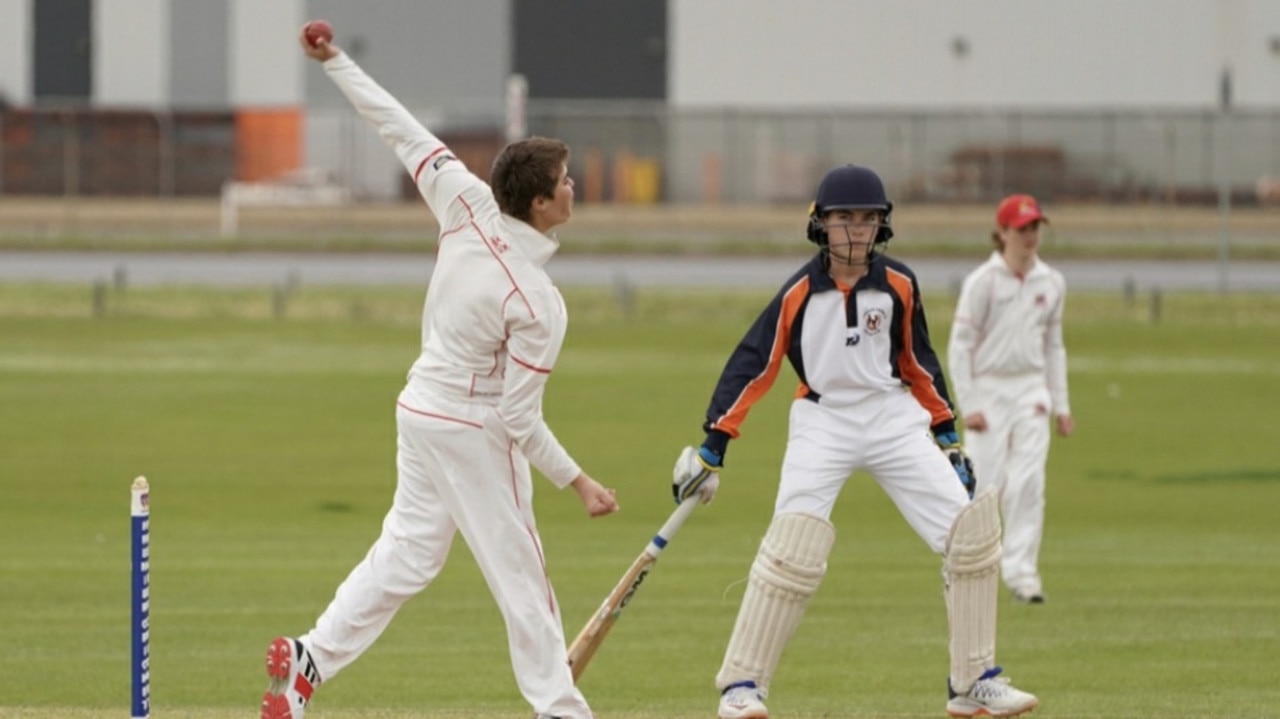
[[588, 49], [63, 51]]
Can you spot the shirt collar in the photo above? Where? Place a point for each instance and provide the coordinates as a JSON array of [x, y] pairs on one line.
[[1037, 267], [819, 280], [538, 247]]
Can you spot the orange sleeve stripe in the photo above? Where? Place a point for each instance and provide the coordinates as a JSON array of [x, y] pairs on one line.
[[909, 367], [792, 301]]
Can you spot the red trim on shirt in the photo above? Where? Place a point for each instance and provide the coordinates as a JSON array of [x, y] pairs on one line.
[[530, 367], [480, 233], [418, 172], [443, 417], [452, 231]]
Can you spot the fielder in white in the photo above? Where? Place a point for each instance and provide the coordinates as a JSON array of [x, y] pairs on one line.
[[1009, 367], [469, 420], [872, 397]]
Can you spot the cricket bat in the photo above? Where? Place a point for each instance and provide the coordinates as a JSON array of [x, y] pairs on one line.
[[584, 646]]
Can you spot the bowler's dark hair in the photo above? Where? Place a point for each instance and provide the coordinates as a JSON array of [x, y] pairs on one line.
[[525, 171]]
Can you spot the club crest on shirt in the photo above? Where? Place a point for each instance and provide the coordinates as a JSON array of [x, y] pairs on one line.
[[498, 245], [873, 321]]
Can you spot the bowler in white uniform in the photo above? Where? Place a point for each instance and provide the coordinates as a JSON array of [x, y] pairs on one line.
[[469, 420]]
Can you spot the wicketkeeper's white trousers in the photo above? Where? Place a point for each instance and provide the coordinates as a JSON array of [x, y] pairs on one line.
[[456, 473], [1010, 456]]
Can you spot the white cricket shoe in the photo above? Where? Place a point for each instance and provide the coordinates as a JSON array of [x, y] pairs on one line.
[[990, 696], [743, 701], [1023, 596], [294, 679]]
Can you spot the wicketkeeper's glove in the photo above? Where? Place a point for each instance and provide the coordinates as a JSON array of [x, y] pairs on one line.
[[949, 442], [697, 471]]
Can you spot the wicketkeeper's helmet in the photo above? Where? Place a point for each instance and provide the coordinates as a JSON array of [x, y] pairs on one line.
[[850, 187]]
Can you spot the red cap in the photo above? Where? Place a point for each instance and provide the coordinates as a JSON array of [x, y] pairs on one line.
[[1017, 211]]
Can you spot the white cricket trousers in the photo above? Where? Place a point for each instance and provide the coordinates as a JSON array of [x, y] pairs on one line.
[[457, 472], [1010, 455], [886, 435]]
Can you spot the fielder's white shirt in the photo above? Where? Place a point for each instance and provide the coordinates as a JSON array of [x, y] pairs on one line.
[[493, 322], [1008, 331]]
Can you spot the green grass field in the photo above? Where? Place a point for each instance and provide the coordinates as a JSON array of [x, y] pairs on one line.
[[269, 445]]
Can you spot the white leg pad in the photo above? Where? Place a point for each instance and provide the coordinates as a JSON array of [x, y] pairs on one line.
[[787, 571], [971, 569]]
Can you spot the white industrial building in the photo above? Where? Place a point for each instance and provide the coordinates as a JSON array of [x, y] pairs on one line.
[[872, 78]]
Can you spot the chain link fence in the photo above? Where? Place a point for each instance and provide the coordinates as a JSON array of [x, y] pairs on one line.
[[646, 153], [1160, 179], [743, 156]]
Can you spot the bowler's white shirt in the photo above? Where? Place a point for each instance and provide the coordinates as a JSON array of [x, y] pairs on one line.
[[493, 322]]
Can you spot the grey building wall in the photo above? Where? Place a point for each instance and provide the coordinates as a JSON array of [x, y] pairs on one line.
[[441, 55], [829, 75], [740, 53], [198, 48], [446, 61], [15, 52], [931, 54]]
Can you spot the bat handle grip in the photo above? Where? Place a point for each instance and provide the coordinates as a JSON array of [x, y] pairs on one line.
[[672, 525]]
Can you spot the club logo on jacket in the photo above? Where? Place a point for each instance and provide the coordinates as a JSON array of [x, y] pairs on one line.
[[439, 161], [498, 245], [873, 321]]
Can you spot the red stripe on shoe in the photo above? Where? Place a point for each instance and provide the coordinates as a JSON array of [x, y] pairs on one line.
[[303, 687]]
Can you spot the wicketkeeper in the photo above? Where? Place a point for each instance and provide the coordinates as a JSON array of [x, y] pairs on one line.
[[872, 397]]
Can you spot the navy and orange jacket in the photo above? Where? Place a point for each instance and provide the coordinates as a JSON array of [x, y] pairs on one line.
[[845, 344]]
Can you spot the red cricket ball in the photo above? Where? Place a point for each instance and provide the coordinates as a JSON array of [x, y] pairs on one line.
[[317, 30]]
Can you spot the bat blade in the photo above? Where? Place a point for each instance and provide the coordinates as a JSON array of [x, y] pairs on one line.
[[584, 646]]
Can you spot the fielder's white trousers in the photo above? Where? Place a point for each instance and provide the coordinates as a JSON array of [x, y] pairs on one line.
[[1010, 455], [887, 436], [457, 473]]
